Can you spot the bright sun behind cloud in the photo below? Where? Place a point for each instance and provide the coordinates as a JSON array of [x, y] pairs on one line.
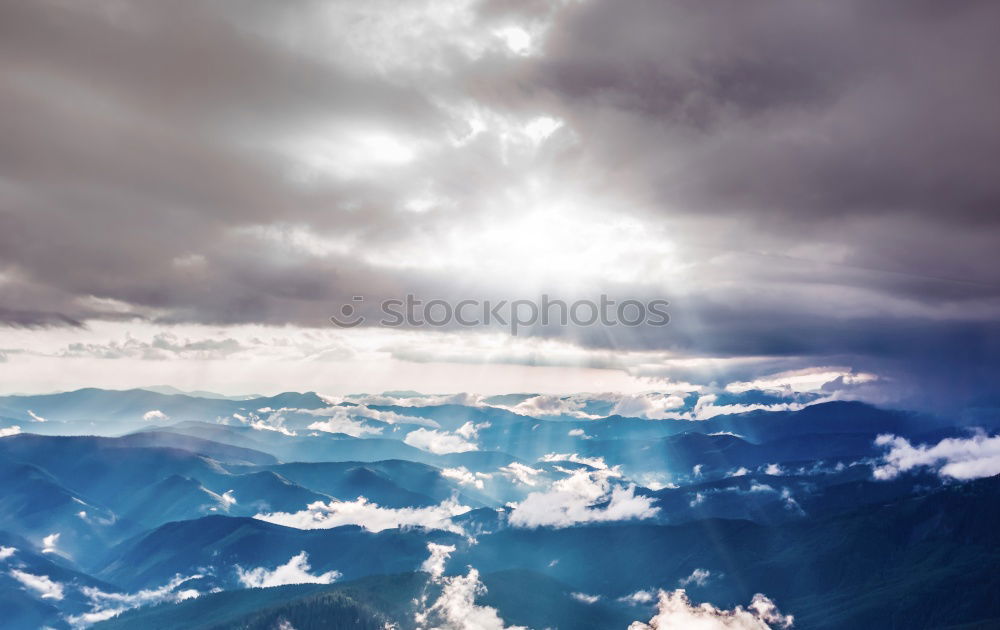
[[551, 243]]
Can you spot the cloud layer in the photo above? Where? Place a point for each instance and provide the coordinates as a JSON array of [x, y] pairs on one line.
[[295, 571], [676, 612], [956, 458], [582, 497], [371, 516], [807, 184], [107, 605], [455, 608]]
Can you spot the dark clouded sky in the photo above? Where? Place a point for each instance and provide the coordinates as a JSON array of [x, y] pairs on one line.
[[189, 190]]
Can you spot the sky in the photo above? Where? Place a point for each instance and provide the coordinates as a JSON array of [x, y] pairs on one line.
[[188, 192]]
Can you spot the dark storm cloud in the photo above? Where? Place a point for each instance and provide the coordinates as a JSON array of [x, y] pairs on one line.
[[840, 157], [828, 170], [126, 147], [800, 108], [868, 124], [30, 319]]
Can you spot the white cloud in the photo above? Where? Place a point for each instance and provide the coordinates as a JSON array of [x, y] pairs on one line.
[[9, 431], [573, 500], [594, 462], [577, 433], [154, 415], [356, 411], [676, 612], [465, 399], [739, 472], [456, 609], [774, 470], [34, 416], [708, 411], [698, 577], [419, 400], [648, 405], [790, 503], [87, 619], [438, 442], [585, 598], [41, 584], [549, 405], [368, 515], [800, 381], [228, 499], [517, 40], [958, 458], [655, 481], [49, 543], [729, 433], [6, 552], [275, 421], [260, 425], [652, 406], [107, 605], [464, 476], [434, 564], [705, 408], [521, 473], [348, 426], [295, 571], [470, 430], [539, 129], [638, 597]]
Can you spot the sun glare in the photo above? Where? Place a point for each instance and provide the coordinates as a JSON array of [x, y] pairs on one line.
[[543, 245]]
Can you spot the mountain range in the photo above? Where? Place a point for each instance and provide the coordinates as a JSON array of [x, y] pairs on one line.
[[246, 513]]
